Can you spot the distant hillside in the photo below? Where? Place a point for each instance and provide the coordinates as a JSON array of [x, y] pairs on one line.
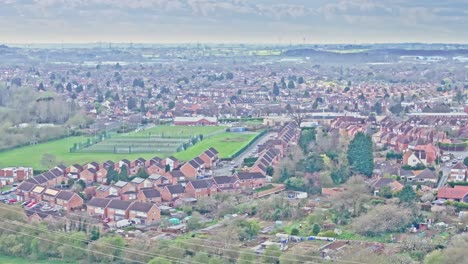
[[374, 52]]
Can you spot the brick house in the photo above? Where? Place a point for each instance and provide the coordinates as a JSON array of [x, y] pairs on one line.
[[210, 158], [140, 183], [227, 183], [201, 188], [101, 175], [171, 192], [149, 196], [23, 191], [118, 209], [97, 207], [105, 191], [92, 165], [75, 168], [106, 164], [250, 179], [175, 176], [68, 200], [49, 195], [14, 174], [157, 168], [88, 175], [193, 168], [144, 213], [172, 162]]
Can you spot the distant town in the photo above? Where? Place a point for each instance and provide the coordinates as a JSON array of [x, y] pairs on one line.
[[292, 153]]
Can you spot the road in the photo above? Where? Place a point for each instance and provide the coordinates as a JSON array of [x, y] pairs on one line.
[[445, 173], [225, 169]]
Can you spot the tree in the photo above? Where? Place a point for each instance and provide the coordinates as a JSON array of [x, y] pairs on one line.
[[406, 195], [382, 219], [291, 84], [271, 254], [123, 175], [270, 170], [294, 232], [229, 75], [465, 161], [171, 105], [142, 106], [377, 108], [131, 103], [454, 253], [275, 89], [315, 229], [150, 95], [300, 80], [249, 230], [385, 192], [142, 173], [194, 222], [360, 154], [48, 160], [306, 138]]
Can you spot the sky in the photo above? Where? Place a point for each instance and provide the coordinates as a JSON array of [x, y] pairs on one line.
[[233, 21]]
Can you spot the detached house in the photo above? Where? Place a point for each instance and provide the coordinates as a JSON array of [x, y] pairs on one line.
[[458, 172], [144, 213]]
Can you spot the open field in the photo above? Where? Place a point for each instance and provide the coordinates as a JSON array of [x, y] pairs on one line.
[[226, 144], [175, 131], [18, 260]]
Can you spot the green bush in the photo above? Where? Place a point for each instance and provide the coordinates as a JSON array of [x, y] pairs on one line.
[[328, 233]]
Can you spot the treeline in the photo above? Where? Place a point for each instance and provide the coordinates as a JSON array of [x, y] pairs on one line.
[[29, 116]]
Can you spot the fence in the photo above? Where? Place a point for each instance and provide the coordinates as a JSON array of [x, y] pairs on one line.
[[235, 155]]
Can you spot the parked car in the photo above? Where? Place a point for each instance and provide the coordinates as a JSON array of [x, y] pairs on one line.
[[12, 200]]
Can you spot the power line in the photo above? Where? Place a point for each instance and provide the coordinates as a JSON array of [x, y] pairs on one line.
[[105, 244], [55, 242], [137, 252], [199, 245]]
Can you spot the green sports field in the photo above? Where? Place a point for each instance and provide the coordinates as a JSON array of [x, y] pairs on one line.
[[226, 143], [176, 131]]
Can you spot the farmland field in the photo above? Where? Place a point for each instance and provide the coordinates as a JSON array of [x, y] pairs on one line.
[[226, 143]]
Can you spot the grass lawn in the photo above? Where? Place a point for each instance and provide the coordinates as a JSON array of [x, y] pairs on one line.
[[177, 131], [18, 260], [227, 144], [31, 155]]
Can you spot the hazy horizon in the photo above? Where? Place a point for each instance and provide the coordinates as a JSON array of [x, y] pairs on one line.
[[233, 21]]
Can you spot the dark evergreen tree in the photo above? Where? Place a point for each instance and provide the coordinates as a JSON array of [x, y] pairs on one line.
[[360, 155]]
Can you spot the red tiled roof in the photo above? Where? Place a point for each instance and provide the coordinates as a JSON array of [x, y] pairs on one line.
[[458, 192]]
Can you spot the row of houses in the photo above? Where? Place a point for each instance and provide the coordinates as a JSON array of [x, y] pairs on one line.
[[61, 199], [11, 175]]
